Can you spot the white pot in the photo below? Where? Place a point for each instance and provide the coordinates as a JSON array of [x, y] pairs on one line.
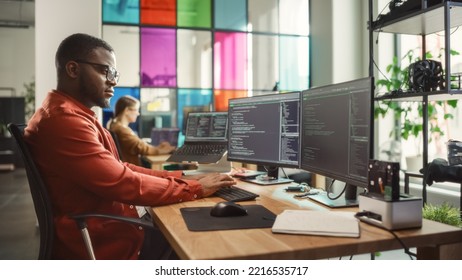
[[414, 163]]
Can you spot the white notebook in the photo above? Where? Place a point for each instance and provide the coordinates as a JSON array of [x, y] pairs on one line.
[[330, 223]]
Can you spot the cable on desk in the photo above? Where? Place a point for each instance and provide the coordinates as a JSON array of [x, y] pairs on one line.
[[329, 188], [406, 249]]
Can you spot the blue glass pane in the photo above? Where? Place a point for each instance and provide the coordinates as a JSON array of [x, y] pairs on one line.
[[231, 15], [190, 100], [108, 113], [293, 63], [122, 11]]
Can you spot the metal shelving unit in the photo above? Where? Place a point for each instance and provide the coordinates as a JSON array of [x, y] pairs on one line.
[[424, 21]]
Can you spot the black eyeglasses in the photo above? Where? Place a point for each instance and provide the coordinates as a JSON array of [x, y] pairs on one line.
[[111, 72]]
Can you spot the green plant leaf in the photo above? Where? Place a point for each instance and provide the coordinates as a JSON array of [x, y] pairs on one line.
[[444, 213]]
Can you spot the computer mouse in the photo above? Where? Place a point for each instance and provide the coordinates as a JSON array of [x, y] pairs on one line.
[[228, 209]]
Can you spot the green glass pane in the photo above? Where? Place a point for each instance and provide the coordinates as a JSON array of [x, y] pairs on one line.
[[194, 13]]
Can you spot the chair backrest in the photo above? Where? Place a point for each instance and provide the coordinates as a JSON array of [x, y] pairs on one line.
[[42, 203], [116, 140]]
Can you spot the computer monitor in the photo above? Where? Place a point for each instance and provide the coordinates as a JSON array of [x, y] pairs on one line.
[[264, 130], [336, 133]]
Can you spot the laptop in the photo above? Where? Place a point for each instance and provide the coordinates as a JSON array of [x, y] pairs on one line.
[[206, 138]]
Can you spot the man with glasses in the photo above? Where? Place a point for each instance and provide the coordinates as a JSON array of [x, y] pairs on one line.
[[79, 162]]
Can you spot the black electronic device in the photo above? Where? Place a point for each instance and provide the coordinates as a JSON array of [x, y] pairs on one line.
[[264, 130], [384, 179], [206, 139], [426, 75], [401, 8], [228, 209], [335, 135]]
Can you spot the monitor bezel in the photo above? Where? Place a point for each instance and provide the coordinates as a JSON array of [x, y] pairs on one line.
[[259, 161]]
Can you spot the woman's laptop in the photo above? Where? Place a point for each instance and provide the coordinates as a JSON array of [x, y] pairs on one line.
[[206, 138]]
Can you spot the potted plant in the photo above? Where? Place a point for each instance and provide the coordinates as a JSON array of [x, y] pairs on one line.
[[445, 213], [29, 99], [411, 112]]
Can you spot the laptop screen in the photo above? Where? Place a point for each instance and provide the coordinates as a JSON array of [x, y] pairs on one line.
[[207, 126]]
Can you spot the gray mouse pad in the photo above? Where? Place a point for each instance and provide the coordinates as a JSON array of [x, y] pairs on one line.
[[199, 219]]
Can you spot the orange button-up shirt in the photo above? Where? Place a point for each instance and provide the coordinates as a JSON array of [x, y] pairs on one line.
[[79, 163]]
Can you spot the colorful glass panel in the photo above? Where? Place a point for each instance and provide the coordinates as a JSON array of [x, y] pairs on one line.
[[158, 57], [121, 11], [194, 51], [194, 13], [158, 12], [263, 15], [230, 60], [222, 96], [126, 43], [231, 15]]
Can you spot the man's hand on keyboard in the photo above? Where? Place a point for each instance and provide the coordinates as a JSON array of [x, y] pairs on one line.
[[212, 182]]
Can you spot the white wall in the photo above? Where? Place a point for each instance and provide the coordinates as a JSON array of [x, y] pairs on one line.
[[338, 32], [17, 59], [55, 20]]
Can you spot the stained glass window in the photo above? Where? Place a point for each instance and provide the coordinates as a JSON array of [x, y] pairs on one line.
[[187, 55]]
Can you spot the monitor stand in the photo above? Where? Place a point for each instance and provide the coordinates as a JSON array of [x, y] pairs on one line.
[[348, 200], [270, 178]]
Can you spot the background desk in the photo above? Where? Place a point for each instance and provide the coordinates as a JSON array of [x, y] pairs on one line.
[[156, 161], [433, 241]]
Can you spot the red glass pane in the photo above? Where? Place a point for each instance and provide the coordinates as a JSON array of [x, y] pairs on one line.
[[158, 12]]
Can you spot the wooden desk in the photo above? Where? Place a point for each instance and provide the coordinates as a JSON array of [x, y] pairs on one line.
[[433, 241]]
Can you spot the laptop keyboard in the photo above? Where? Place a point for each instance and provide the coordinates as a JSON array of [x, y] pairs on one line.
[[202, 149], [235, 194]]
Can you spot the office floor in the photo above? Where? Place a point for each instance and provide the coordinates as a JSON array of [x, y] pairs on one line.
[[19, 236]]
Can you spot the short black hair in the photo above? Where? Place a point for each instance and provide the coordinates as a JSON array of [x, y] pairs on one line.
[[78, 46]]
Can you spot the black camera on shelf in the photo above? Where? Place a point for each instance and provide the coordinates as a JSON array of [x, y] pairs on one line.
[[384, 178]]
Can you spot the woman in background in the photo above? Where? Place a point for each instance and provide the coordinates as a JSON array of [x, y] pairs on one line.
[[126, 111]]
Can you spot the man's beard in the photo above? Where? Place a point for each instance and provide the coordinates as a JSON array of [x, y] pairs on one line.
[[97, 100]]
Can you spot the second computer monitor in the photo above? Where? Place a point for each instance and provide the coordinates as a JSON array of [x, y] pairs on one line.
[[336, 131], [264, 130]]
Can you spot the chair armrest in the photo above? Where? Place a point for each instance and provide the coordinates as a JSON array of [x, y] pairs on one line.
[[80, 219]]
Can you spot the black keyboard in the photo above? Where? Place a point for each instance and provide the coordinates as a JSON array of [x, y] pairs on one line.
[[235, 194], [205, 149]]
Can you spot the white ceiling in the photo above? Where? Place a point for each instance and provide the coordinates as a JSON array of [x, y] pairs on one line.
[[17, 13]]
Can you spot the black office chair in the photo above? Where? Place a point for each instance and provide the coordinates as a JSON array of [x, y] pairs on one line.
[[42, 203], [117, 142]]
